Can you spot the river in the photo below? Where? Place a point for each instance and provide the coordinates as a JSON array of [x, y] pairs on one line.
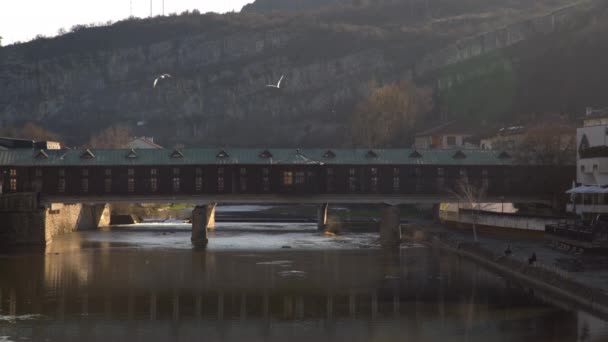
[[265, 282]]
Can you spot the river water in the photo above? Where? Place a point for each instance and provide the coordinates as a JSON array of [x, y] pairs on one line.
[[265, 282]]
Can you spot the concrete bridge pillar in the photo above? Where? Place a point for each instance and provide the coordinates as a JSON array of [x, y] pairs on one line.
[[322, 217], [202, 217], [389, 226]]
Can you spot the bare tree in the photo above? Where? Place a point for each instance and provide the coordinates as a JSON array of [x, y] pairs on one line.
[[471, 196], [34, 131], [112, 137], [547, 144], [389, 112]]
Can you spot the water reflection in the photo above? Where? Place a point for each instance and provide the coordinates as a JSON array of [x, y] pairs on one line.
[[87, 287]]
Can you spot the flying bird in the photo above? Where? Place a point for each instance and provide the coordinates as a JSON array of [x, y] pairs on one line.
[[160, 78], [278, 86]]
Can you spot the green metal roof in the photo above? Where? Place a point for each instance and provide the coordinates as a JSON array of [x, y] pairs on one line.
[[249, 156]]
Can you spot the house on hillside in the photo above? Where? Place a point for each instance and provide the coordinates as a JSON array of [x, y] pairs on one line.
[[507, 138], [446, 136], [142, 143]]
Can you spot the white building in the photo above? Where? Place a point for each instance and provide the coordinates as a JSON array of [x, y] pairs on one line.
[[591, 194]]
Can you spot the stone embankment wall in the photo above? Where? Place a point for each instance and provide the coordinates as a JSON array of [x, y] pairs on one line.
[[465, 218], [24, 221], [550, 282]]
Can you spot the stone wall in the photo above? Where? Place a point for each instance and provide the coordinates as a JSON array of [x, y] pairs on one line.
[[24, 222], [498, 220]]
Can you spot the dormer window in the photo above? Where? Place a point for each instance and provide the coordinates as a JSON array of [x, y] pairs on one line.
[[222, 154], [329, 154], [415, 154], [132, 154], [177, 154], [265, 154], [459, 155], [87, 154], [504, 155], [41, 155], [371, 154]]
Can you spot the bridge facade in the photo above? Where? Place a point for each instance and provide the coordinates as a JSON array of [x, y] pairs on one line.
[[206, 175]]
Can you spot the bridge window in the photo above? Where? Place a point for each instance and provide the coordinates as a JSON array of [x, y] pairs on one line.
[[13, 185], [108, 172], [243, 179], [153, 172], [451, 140], [329, 180], [176, 181], [85, 185], [374, 179], [38, 172], [287, 178], [131, 184], [582, 168], [154, 184], [266, 179], [61, 185], [85, 172], [463, 172], [396, 180], [175, 171], [352, 180], [131, 172], [13, 172], [107, 185], [220, 179], [300, 179], [440, 171], [485, 183], [440, 183], [198, 184]]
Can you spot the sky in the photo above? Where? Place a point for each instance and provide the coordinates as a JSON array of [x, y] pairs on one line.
[[22, 20]]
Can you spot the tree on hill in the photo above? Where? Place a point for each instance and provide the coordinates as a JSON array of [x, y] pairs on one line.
[[548, 144], [116, 136], [36, 132], [389, 113]]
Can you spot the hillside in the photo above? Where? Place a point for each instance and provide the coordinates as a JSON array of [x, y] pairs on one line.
[[562, 72], [84, 81]]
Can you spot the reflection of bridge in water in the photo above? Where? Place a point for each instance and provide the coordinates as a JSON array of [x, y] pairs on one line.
[[415, 290]]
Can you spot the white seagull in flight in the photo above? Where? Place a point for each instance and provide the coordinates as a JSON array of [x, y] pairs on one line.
[[159, 78], [278, 86]]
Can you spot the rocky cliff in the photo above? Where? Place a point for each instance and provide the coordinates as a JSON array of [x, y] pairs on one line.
[[84, 81]]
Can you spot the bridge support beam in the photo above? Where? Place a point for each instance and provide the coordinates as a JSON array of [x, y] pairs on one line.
[[389, 226], [322, 217], [202, 216]]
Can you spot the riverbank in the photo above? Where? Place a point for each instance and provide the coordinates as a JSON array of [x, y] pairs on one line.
[[548, 276]]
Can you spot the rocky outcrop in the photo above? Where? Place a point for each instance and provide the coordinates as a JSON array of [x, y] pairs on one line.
[[217, 93]]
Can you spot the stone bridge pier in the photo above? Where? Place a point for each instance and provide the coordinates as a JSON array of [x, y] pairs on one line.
[[25, 221], [203, 218]]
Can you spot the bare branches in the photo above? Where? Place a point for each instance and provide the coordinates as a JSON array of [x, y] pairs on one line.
[[389, 112]]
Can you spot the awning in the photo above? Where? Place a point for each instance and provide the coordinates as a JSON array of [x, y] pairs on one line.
[[588, 189]]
